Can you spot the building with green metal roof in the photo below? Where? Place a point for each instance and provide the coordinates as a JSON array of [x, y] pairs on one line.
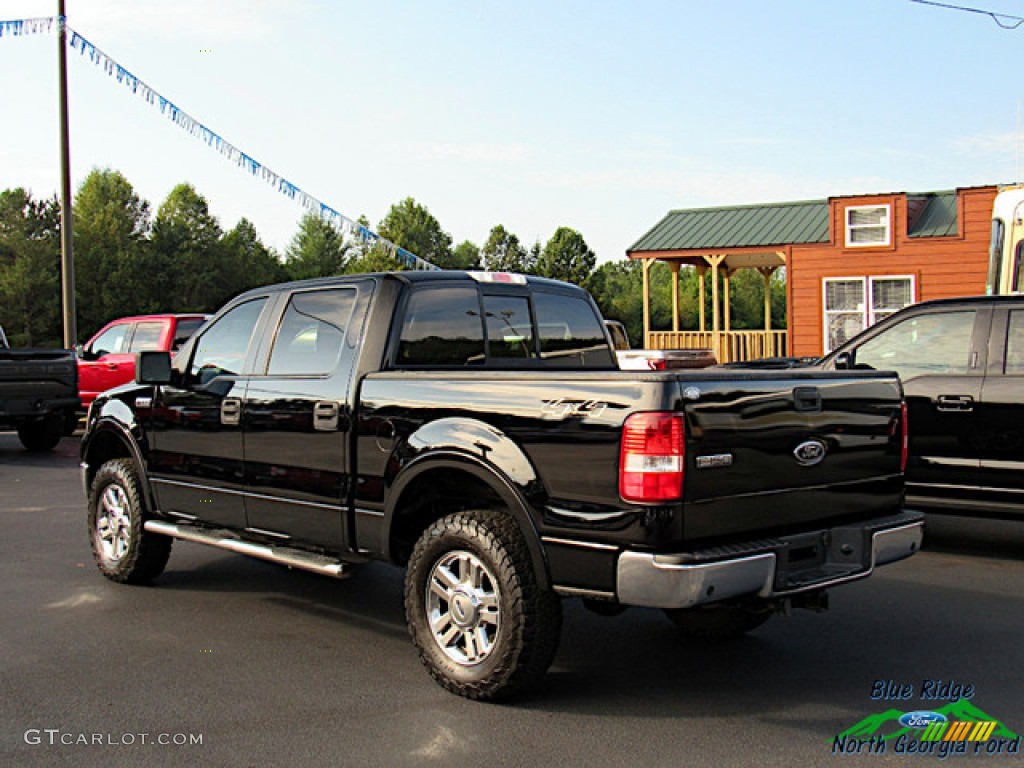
[[849, 261]]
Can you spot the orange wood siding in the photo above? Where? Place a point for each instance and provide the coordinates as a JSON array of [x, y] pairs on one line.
[[941, 266]]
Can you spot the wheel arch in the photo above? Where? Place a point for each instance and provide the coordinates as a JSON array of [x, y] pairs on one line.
[[110, 440], [442, 482]]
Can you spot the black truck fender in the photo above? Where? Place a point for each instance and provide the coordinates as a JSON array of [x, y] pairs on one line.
[[467, 457], [115, 434]]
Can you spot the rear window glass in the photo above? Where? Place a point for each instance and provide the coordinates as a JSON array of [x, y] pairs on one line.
[[454, 326], [509, 328], [442, 327], [571, 333]]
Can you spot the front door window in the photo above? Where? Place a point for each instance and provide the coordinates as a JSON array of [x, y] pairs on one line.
[[222, 349], [938, 343]]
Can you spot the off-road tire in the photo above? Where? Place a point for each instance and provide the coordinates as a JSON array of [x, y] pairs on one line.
[[720, 621], [42, 434], [124, 551], [474, 566]]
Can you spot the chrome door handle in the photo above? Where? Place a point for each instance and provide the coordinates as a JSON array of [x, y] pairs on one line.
[[325, 416], [230, 411], [958, 403]]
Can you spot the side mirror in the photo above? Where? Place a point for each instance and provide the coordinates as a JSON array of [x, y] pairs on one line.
[[844, 361], [152, 367]]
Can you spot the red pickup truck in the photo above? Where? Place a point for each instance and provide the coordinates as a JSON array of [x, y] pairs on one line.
[[107, 360]]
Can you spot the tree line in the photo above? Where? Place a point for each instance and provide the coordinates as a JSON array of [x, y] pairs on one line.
[[129, 261]]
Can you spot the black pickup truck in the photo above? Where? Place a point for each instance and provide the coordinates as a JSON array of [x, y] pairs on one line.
[[474, 427], [962, 366], [38, 394]]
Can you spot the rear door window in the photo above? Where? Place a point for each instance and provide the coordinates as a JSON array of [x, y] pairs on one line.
[[312, 331], [184, 329], [147, 336]]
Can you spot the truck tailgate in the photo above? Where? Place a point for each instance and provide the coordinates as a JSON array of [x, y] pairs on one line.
[[32, 378], [763, 451]]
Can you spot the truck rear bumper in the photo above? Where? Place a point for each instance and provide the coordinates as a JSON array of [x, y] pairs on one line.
[[773, 568], [28, 408]]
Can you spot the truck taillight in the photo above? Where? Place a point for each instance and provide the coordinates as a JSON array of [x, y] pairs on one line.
[[904, 437], [657, 364], [652, 457]]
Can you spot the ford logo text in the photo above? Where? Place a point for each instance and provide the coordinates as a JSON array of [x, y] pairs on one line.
[[810, 452], [921, 719]]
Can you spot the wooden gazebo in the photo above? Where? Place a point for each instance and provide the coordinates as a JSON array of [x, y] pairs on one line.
[[723, 241]]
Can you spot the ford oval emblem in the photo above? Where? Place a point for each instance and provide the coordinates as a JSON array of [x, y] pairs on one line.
[[921, 719], [809, 453]]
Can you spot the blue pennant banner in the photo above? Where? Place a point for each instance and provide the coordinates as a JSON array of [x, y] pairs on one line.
[[186, 122], [40, 26]]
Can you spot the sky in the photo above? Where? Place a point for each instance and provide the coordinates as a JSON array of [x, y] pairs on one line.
[[597, 115]]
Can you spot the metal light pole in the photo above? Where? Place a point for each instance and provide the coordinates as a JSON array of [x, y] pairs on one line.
[[67, 258]]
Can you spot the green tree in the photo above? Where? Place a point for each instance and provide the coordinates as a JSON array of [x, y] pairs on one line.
[[533, 259], [318, 249], [618, 289], [411, 226], [29, 269], [746, 290], [183, 271], [111, 223], [502, 252], [22, 216], [566, 256], [249, 262], [466, 255], [375, 259]]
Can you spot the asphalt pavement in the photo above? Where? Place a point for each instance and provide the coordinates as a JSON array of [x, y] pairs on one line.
[[228, 661]]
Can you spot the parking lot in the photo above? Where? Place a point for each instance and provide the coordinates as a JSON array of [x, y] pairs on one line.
[[230, 661]]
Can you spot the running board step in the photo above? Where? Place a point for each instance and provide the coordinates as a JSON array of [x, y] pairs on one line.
[[293, 558]]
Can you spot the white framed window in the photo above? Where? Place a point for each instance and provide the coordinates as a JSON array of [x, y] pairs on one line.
[[867, 225], [889, 295], [851, 304]]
